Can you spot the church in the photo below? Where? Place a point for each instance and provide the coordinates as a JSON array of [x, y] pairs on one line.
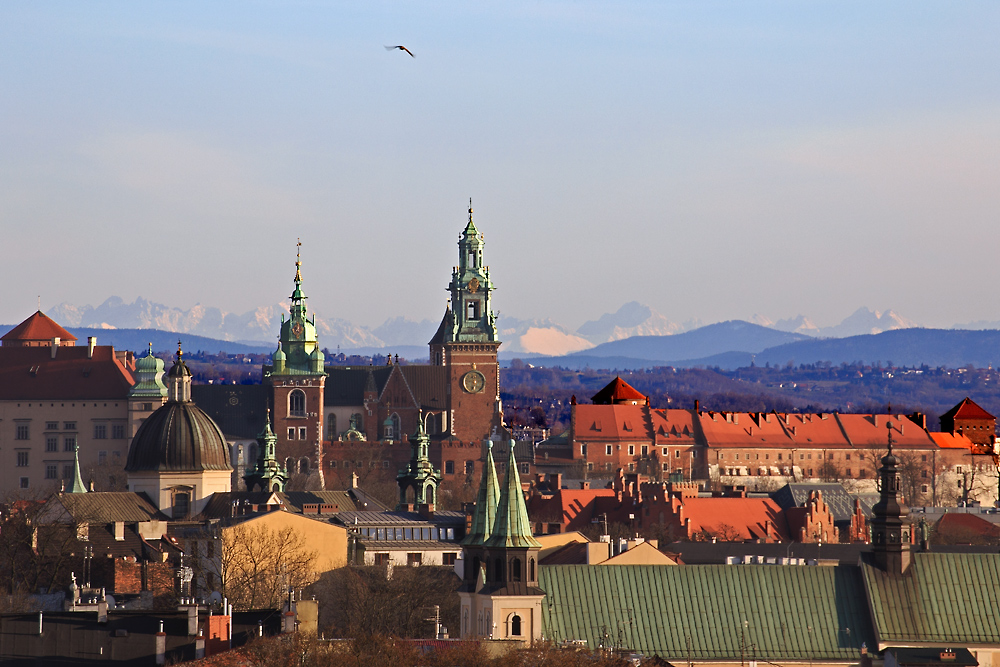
[[344, 420]]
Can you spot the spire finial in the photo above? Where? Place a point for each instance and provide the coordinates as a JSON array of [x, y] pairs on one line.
[[150, 348], [470, 209], [888, 426], [298, 261], [180, 352]]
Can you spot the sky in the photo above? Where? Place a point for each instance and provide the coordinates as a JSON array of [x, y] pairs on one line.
[[714, 161]]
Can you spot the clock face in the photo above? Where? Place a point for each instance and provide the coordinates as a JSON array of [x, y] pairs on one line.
[[474, 285], [297, 329], [474, 381]]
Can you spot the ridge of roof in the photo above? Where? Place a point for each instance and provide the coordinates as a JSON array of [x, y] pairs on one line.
[[967, 409], [617, 390]]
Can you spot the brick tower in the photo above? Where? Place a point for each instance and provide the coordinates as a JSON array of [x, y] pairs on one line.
[[466, 343]]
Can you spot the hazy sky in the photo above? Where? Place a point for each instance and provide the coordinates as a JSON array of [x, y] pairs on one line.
[[711, 160]]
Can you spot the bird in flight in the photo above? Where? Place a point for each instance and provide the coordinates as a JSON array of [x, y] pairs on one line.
[[401, 48]]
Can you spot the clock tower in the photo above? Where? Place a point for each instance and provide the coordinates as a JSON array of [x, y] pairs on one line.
[[466, 343], [297, 382]]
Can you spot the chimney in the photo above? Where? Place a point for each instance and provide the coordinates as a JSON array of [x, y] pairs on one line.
[[55, 346], [696, 405], [91, 344], [119, 531]]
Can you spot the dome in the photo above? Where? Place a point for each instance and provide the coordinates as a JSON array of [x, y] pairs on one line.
[[178, 437]]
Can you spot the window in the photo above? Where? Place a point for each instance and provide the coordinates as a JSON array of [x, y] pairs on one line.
[[24, 483], [385, 464], [590, 466], [847, 456], [51, 426], [67, 472], [923, 473], [472, 310], [631, 467], [22, 432], [645, 450], [779, 456], [448, 558], [802, 457], [331, 464], [470, 467], [831, 457], [666, 452], [923, 488], [515, 625], [631, 450], [303, 433], [331, 426], [666, 467], [923, 457], [382, 559], [22, 459], [118, 431], [52, 444], [677, 454], [694, 454], [297, 403], [147, 407], [291, 433], [100, 431], [847, 473], [102, 458], [515, 570], [182, 502], [69, 426], [524, 468], [69, 443], [583, 450], [607, 450], [51, 471], [413, 560]]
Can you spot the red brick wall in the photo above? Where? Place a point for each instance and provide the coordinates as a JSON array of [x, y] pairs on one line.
[[472, 413]]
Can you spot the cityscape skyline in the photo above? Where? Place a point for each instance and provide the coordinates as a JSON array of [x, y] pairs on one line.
[[712, 162]]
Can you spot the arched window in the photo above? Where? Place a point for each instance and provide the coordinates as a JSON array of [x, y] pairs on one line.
[[531, 570], [251, 454], [429, 494], [515, 570], [297, 403], [331, 426], [498, 570], [289, 465], [515, 625], [304, 465]]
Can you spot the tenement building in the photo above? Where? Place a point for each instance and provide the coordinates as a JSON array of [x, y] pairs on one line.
[[57, 396]]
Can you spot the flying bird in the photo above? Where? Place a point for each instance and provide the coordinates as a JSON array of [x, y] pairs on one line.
[[401, 48]]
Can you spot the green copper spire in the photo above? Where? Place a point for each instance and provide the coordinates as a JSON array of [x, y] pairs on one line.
[[77, 486], [298, 342], [418, 481], [267, 474], [470, 229], [512, 528], [485, 514]]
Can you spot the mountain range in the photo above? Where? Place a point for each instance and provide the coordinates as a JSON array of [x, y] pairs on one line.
[[521, 336], [634, 337]]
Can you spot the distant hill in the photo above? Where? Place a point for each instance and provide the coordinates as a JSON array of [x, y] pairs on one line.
[[902, 347], [731, 336]]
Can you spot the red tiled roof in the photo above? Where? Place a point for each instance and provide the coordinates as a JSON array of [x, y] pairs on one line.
[[617, 390], [951, 441], [966, 528], [30, 373], [967, 409], [612, 423], [38, 327], [734, 518]]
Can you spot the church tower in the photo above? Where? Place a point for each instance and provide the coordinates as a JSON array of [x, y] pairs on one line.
[[466, 342], [890, 532], [297, 380], [500, 597]]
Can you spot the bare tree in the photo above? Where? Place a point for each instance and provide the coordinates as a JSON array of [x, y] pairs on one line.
[[256, 566]]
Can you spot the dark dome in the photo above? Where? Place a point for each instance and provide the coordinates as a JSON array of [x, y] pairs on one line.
[[178, 437], [179, 369]]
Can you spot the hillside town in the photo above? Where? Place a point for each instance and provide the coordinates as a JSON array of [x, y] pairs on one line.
[[151, 520]]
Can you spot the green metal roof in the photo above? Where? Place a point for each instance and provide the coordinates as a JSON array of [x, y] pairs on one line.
[[511, 527], [705, 612], [943, 598], [485, 513]]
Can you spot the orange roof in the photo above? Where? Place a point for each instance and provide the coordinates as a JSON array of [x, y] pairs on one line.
[[871, 431], [37, 328], [951, 441], [673, 427], [611, 423], [734, 519], [617, 391], [967, 409]]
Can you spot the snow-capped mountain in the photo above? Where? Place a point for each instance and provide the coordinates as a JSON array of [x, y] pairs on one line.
[[632, 319], [862, 321]]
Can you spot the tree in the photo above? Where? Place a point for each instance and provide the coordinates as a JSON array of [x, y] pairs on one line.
[[256, 566]]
